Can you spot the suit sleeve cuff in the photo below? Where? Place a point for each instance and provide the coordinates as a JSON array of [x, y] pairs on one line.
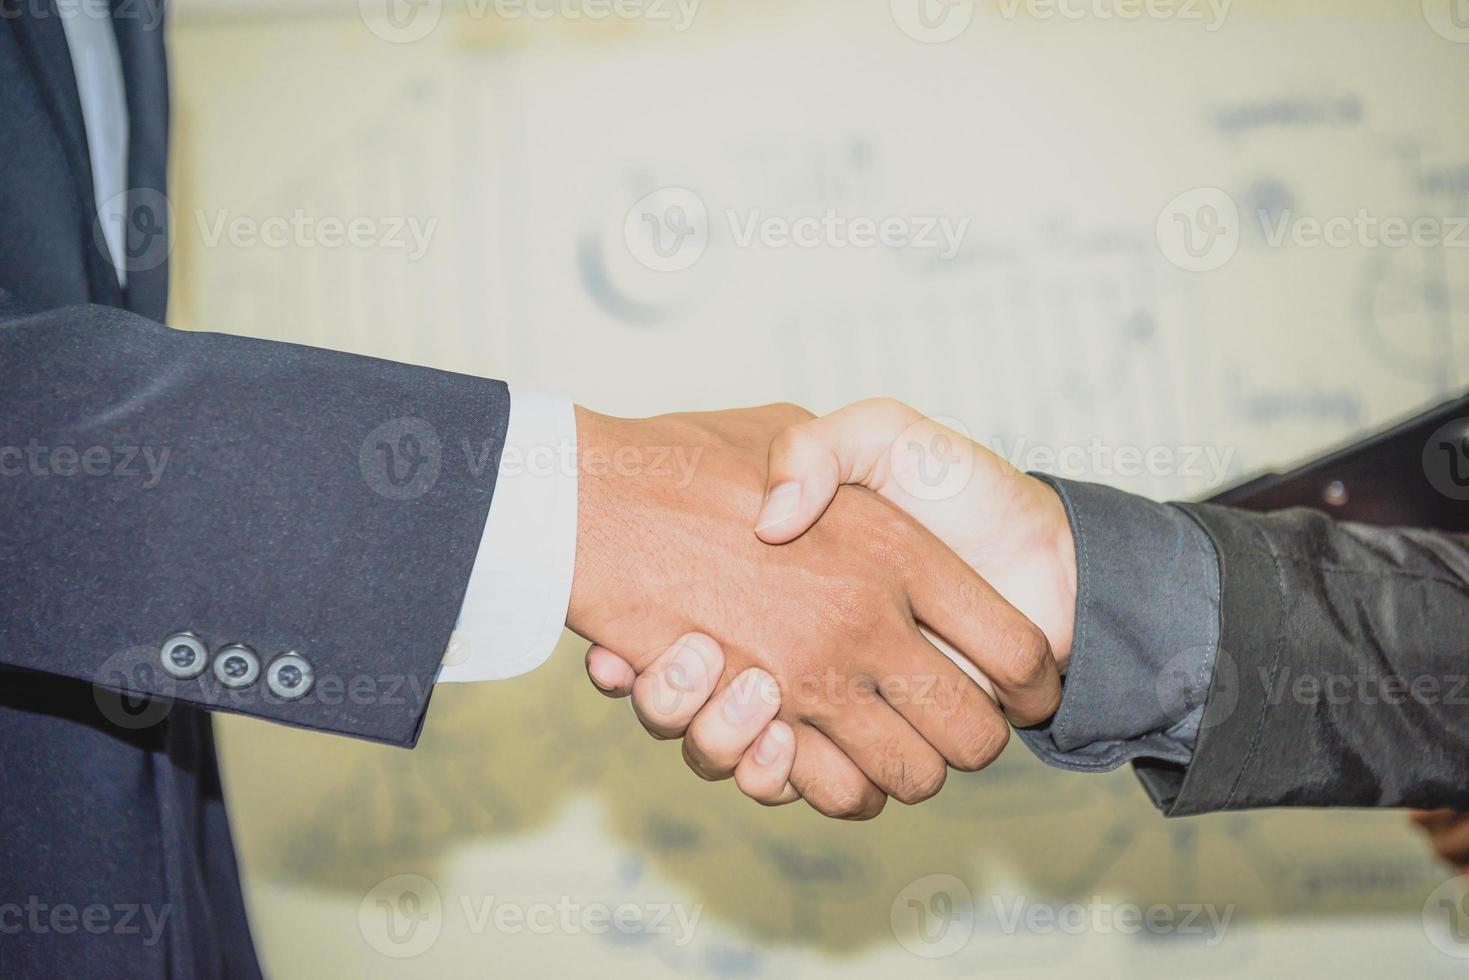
[[520, 586], [1147, 628]]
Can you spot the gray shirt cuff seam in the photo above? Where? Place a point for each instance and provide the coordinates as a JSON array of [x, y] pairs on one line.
[[1174, 743], [1083, 589]]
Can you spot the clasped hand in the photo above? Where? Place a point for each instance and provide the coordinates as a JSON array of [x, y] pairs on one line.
[[869, 635]]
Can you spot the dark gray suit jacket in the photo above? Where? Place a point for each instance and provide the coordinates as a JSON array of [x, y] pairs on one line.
[[1284, 657], [1342, 671], [283, 516]]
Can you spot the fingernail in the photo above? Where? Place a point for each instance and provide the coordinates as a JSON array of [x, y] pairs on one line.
[[601, 683], [780, 505], [686, 671], [771, 744]]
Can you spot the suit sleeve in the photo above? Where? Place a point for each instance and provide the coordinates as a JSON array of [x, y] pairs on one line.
[[320, 510], [1342, 674]]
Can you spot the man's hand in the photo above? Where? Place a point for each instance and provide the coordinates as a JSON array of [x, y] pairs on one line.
[[829, 620], [1010, 528]]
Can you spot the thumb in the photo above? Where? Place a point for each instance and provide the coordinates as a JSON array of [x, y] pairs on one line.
[[811, 460]]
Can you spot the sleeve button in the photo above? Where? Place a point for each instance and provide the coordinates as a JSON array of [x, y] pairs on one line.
[[183, 655], [289, 676], [236, 666]]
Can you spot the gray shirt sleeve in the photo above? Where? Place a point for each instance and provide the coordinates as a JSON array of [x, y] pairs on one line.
[[1340, 676], [1146, 635]]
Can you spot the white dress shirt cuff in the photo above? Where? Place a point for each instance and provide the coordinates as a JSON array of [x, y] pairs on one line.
[[520, 586]]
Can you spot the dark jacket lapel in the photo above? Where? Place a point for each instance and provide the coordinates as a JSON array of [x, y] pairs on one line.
[[139, 29], [40, 34], [43, 40]]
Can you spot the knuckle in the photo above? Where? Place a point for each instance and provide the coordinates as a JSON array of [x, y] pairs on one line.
[[893, 550], [781, 446], [923, 782], [858, 613], [875, 801], [842, 800], [795, 444], [844, 805], [959, 696], [894, 545], [891, 531], [789, 410], [891, 411], [981, 744], [1022, 661]]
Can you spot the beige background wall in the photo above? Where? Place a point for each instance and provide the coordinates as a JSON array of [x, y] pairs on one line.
[[522, 144]]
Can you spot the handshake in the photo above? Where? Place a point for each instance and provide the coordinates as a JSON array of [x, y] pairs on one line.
[[832, 609]]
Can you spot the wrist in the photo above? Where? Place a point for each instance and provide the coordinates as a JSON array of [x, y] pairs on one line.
[[1032, 561], [1059, 554], [664, 503], [635, 478], [591, 571]]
